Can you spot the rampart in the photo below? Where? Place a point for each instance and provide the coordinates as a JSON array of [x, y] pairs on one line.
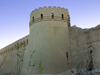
[[14, 45], [85, 43], [12, 56], [52, 46]]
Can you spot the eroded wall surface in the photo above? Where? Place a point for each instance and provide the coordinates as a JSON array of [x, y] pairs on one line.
[[12, 57], [85, 43], [16, 58], [48, 41]]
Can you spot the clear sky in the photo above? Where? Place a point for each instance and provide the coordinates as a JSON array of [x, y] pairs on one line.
[[15, 14]]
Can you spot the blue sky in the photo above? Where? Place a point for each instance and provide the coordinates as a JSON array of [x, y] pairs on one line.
[[15, 15]]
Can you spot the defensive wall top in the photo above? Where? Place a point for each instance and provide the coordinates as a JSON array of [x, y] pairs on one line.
[[50, 9], [14, 44], [49, 13]]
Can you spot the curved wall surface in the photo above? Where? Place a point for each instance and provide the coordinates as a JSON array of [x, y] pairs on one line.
[[52, 47], [49, 41], [45, 50]]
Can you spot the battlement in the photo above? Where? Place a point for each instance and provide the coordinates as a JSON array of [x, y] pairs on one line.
[[49, 14], [19, 43]]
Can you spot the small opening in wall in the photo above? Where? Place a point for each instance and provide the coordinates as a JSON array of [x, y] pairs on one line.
[[33, 19], [68, 24], [52, 15], [91, 52], [68, 16], [41, 16], [62, 16], [67, 55]]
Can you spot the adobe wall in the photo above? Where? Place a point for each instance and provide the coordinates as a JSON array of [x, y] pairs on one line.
[[81, 43], [12, 56], [48, 44], [52, 45], [49, 40]]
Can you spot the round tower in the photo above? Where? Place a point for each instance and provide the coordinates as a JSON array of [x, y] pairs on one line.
[[49, 50]]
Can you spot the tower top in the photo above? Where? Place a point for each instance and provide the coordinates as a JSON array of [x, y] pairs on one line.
[[49, 8], [48, 13]]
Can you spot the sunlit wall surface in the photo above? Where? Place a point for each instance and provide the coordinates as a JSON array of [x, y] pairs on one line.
[[14, 15]]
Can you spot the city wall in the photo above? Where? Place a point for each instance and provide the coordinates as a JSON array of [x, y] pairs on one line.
[[12, 56], [82, 42], [52, 46], [85, 43]]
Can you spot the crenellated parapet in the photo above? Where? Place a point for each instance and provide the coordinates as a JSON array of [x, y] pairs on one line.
[[16, 45], [49, 14]]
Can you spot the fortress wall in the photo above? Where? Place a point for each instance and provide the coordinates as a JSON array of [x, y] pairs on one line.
[[48, 41], [12, 56], [51, 47], [82, 42]]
